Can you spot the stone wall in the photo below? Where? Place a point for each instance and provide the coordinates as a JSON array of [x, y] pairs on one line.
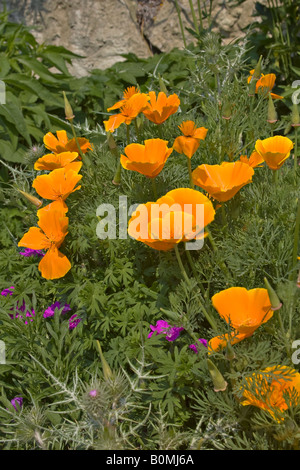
[[102, 30]]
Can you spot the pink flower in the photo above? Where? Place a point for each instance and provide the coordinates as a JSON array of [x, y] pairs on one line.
[[163, 327], [194, 347], [49, 312], [73, 321]]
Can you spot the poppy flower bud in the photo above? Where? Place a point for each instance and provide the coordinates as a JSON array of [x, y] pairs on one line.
[[34, 200], [68, 109], [257, 71], [230, 354], [219, 382], [226, 111], [274, 299], [107, 372], [272, 115], [295, 116], [111, 141], [162, 85], [255, 77]]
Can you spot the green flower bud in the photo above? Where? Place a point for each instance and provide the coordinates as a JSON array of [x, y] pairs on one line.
[[219, 382], [274, 299]]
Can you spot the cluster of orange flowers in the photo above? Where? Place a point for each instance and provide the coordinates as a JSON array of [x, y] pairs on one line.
[[63, 168], [244, 311]]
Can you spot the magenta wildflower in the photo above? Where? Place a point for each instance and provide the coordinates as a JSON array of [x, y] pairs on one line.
[[93, 393], [16, 400], [73, 321], [163, 327], [22, 308], [8, 291], [29, 252], [49, 312], [194, 346]]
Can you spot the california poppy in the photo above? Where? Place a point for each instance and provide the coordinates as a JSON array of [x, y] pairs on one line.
[[255, 159], [148, 159], [223, 181], [160, 108], [274, 150], [52, 161], [171, 219], [128, 93], [63, 144], [53, 226], [57, 185], [189, 142], [273, 389], [129, 111], [244, 311], [265, 84]]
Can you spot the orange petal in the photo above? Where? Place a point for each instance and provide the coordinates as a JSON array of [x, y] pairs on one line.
[[34, 239], [54, 264]]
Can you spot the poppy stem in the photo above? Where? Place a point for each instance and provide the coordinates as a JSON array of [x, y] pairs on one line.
[[180, 23], [194, 270], [194, 17], [154, 188], [117, 177], [76, 140], [190, 172], [137, 130], [275, 177], [222, 264], [159, 131], [296, 152], [224, 218], [127, 134], [188, 281], [200, 15]]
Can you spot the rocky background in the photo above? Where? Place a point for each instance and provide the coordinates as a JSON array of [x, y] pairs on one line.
[[103, 30]]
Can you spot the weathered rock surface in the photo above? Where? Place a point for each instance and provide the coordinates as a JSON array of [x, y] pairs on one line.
[[103, 30]]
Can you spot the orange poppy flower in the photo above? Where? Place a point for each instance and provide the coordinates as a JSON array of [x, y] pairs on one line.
[[223, 181], [148, 159], [57, 185], [160, 108], [129, 111], [189, 142], [274, 150], [255, 159], [171, 219], [53, 226], [128, 93], [273, 389], [63, 144], [243, 310], [52, 161], [265, 84]]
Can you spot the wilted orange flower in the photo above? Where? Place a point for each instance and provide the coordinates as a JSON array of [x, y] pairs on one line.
[[57, 185], [273, 389], [63, 144], [223, 181], [274, 150], [244, 310], [52, 161], [255, 159], [128, 93], [171, 219], [160, 108], [189, 142], [148, 159], [129, 110], [265, 84], [53, 226]]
